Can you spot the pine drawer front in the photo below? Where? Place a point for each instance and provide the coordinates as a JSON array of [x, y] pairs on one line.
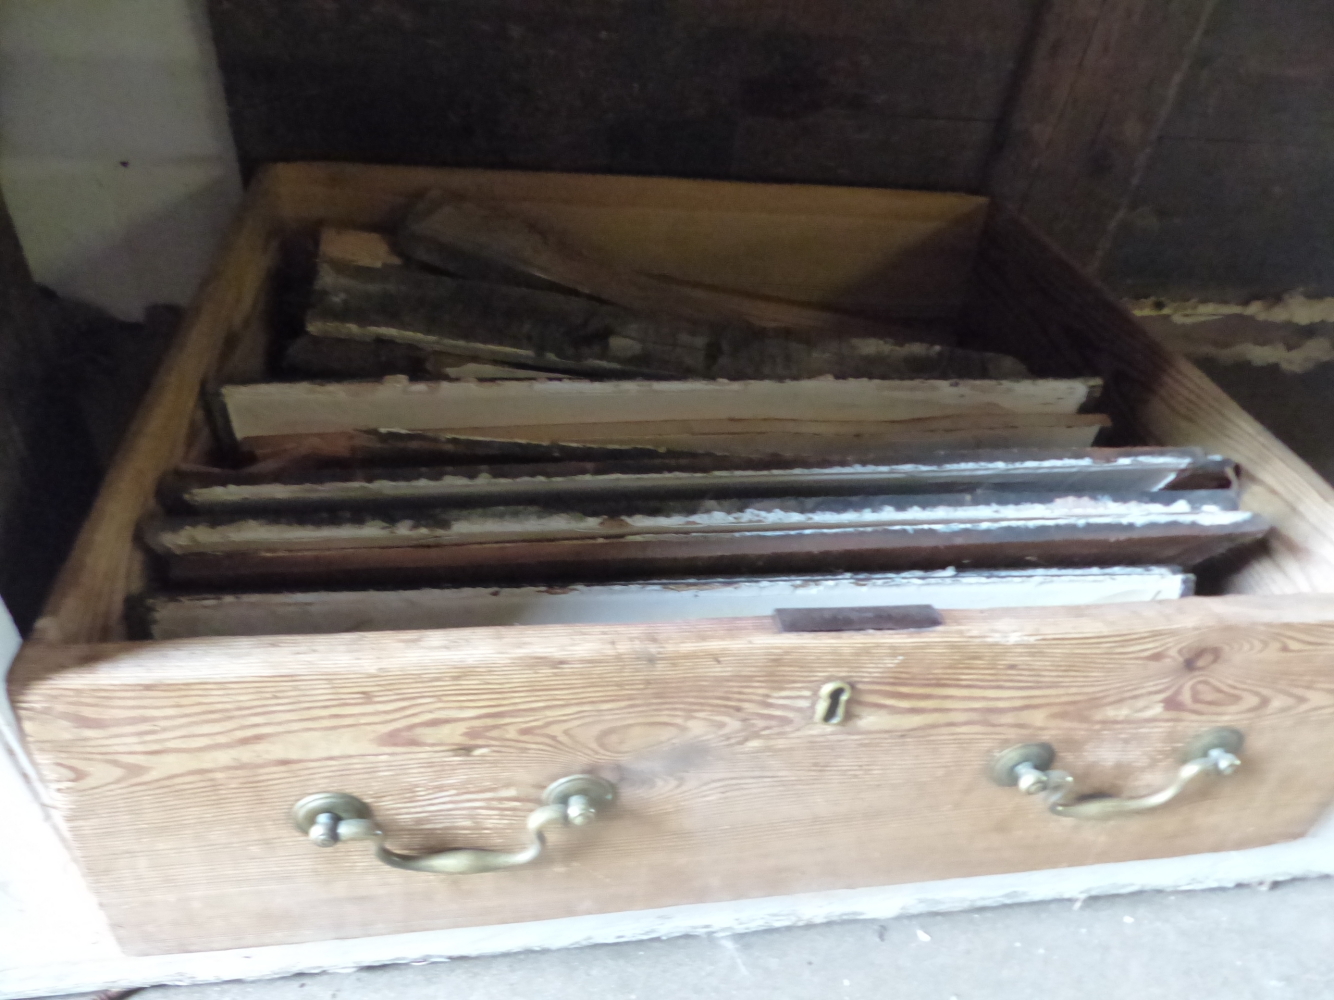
[[174, 766], [177, 763]]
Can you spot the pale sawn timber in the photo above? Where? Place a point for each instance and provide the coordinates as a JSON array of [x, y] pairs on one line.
[[317, 612]]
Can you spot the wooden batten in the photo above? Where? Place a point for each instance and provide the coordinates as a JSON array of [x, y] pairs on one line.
[[607, 518], [492, 481], [309, 407], [314, 613]]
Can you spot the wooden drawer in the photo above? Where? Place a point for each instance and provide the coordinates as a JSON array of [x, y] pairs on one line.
[[173, 765]]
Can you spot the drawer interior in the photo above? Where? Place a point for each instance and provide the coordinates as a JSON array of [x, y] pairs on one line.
[[906, 256], [731, 788]]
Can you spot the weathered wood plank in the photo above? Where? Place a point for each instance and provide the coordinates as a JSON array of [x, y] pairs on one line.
[[600, 517], [705, 727], [1100, 83], [1111, 470], [892, 95], [168, 617], [1183, 540]]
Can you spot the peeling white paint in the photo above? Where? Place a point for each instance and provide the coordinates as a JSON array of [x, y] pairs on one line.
[[1291, 308], [1292, 360]]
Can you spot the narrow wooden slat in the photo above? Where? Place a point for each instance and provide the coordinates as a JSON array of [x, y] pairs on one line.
[[675, 600], [614, 517], [306, 408], [1180, 541], [1093, 469]]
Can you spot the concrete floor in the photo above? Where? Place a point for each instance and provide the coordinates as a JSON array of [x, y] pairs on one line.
[[1233, 944]]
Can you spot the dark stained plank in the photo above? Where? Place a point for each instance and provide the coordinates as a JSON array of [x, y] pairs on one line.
[[704, 477], [895, 93], [1236, 201], [1181, 542], [1102, 77]]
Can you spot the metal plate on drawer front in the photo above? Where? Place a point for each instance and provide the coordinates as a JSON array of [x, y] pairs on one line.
[[898, 618]]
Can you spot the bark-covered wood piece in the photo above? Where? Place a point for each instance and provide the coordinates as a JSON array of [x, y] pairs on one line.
[[337, 357], [608, 518], [315, 612], [489, 243], [710, 477], [576, 335]]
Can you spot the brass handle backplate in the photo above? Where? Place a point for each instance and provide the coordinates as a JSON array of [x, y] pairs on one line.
[[1028, 767], [329, 818]]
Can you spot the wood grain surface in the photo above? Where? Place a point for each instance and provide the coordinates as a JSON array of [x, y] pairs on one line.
[[728, 788]]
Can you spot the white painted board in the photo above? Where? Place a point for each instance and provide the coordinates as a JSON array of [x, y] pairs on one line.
[[677, 600], [270, 408]]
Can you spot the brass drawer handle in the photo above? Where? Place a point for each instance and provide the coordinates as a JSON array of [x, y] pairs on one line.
[[1027, 767], [329, 818]]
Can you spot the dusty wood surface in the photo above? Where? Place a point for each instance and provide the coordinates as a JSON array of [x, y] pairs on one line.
[[311, 408], [606, 517], [826, 91], [1030, 300], [318, 612], [1181, 541], [1096, 469], [728, 789]]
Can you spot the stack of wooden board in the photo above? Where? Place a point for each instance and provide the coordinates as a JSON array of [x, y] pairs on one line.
[[518, 416]]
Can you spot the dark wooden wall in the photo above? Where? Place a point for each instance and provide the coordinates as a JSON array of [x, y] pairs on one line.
[[1238, 198], [1177, 146]]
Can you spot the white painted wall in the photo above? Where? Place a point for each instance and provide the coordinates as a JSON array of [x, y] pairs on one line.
[[115, 156]]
